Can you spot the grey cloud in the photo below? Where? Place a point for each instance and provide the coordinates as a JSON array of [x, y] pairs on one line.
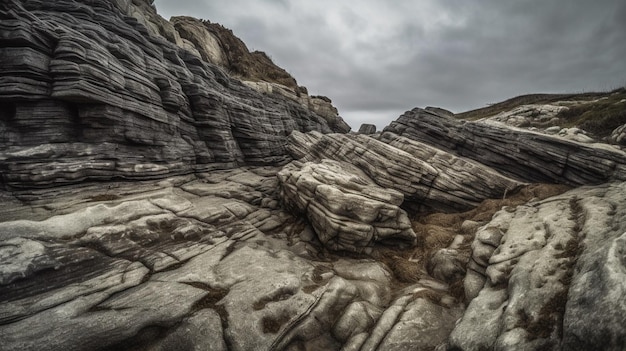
[[381, 59]]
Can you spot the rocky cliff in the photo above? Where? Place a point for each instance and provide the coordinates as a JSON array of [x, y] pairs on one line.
[[87, 93], [156, 198]]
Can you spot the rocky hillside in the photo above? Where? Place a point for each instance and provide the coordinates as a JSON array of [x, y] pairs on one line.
[[165, 189], [586, 117]]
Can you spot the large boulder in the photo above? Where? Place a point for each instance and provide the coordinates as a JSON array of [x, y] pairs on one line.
[[345, 207]]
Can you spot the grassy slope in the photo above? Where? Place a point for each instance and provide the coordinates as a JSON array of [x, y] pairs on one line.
[[600, 115]]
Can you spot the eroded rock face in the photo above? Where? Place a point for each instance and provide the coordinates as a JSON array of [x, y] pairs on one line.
[[345, 207], [201, 258], [521, 154], [555, 279], [88, 93], [367, 128], [426, 176], [219, 45]]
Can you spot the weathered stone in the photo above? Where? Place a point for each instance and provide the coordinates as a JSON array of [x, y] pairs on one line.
[[101, 99], [183, 244], [345, 207], [205, 43], [200, 332], [367, 129], [432, 321], [618, 136], [538, 283], [521, 154], [534, 115], [425, 175]]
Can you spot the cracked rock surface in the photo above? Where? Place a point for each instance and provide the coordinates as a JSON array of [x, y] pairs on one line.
[[194, 261]]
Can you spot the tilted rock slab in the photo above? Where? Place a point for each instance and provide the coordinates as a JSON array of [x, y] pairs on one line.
[[425, 175], [524, 155], [549, 275], [345, 207]]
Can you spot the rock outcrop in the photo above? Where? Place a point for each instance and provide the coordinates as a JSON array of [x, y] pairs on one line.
[[87, 93], [367, 128], [192, 261], [152, 201], [345, 207], [542, 275], [216, 44], [427, 177], [618, 136], [524, 155]]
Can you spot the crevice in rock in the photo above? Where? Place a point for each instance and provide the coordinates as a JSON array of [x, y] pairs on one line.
[[223, 313], [211, 299]]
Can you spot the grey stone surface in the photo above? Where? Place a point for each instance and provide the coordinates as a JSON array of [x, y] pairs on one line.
[[618, 136], [522, 154], [367, 129], [537, 284], [87, 93], [345, 207], [426, 176], [148, 201]]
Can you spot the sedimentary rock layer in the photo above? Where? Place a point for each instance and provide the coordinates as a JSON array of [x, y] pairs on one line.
[[426, 176], [525, 155], [87, 93], [345, 207]]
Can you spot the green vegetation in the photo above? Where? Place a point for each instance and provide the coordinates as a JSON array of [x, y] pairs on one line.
[[494, 109], [599, 117]]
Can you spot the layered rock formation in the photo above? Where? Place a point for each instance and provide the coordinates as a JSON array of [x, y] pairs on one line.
[[218, 45], [347, 210], [88, 94], [427, 177], [151, 201], [618, 136], [525, 155]]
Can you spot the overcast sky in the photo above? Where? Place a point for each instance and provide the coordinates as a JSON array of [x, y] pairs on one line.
[[376, 59]]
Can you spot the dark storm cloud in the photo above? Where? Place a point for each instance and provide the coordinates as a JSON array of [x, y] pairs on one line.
[[376, 59]]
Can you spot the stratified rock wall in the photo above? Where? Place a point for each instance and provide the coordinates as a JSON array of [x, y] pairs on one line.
[[87, 93]]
